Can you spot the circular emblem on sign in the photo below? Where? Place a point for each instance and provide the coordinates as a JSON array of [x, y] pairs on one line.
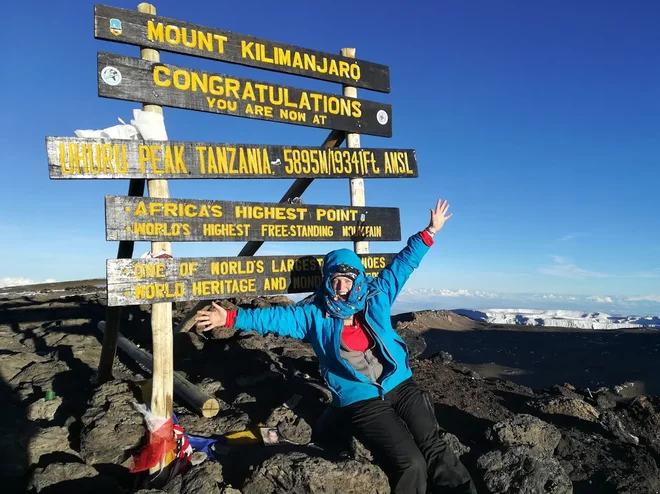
[[382, 117], [111, 76]]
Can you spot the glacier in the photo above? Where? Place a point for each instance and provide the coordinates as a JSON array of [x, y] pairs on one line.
[[560, 318], [537, 309]]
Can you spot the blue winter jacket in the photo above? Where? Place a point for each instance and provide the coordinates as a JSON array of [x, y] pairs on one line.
[[310, 322]]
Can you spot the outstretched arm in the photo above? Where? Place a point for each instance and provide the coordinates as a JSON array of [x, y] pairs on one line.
[[290, 321], [391, 279]]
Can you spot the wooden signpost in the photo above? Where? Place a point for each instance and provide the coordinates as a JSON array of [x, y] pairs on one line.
[[165, 34], [162, 220], [132, 79], [192, 220], [147, 281], [90, 158]]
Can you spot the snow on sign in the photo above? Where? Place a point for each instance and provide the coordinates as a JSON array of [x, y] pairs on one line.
[[166, 34], [193, 220], [140, 281], [133, 79]]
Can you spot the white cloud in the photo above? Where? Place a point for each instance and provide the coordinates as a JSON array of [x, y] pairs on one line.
[[602, 300], [502, 273], [450, 293], [571, 236], [8, 282], [552, 296], [645, 298], [566, 269], [444, 292], [653, 273]]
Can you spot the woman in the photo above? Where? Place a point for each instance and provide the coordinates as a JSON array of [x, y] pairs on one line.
[[364, 362]]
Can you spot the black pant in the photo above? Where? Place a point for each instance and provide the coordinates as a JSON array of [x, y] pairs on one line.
[[402, 433]]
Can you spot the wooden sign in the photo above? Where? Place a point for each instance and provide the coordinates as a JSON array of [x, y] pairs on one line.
[[89, 158], [192, 220], [171, 35], [133, 79], [150, 281]]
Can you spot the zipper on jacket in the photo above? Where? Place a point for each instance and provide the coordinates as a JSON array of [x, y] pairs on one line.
[[382, 390], [371, 330]]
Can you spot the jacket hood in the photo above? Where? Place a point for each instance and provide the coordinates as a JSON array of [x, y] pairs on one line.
[[338, 257]]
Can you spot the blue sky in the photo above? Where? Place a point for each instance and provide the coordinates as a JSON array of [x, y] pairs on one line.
[[538, 121]]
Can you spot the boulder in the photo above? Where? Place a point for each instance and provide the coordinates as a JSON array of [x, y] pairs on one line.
[[571, 407], [112, 429], [297, 473], [290, 426], [642, 419], [359, 451], [523, 470], [200, 479], [455, 444], [71, 477], [525, 430], [566, 390], [612, 424], [48, 441], [443, 357], [228, 420], [13, 363], [39, 374], [606, 400], [43, 410]]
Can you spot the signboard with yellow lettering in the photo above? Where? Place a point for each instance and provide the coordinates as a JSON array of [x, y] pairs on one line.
[[149, 281], [165, 34], [192, 220], [89, 158], [133, 79]]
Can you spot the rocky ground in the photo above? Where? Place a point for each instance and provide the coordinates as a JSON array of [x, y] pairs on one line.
[[596, 437]]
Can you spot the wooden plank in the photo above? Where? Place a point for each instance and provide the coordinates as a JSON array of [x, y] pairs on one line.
[[175, 36], [198, 400], [195, 220], [147, 281], [102, 158], [132, 79]]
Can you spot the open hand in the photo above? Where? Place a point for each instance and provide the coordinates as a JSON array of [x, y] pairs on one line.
[[209, 319], [439, 216]]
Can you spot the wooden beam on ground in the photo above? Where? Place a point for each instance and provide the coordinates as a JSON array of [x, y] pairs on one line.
[[298, 187], [189, 393]]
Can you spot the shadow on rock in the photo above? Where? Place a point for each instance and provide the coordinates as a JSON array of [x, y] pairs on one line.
[[535, 356]]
